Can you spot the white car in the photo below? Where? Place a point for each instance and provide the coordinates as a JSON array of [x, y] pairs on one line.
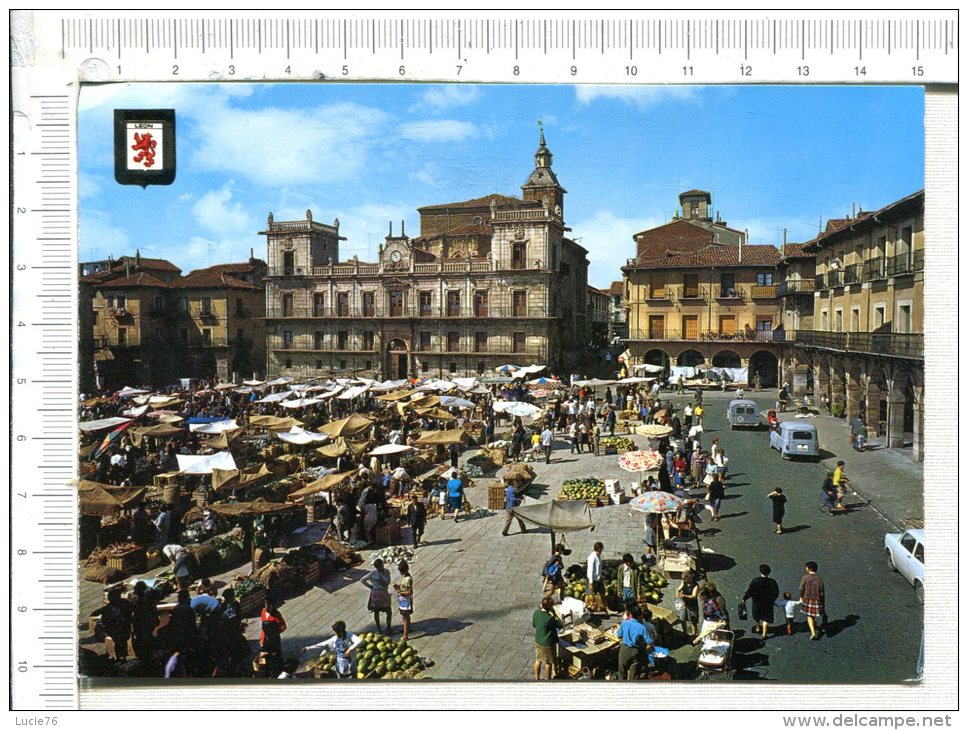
[[905, 554]]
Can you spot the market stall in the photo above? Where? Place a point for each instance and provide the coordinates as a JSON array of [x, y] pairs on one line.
[[558, 517]]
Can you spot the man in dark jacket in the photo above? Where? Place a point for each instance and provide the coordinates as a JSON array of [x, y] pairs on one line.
[[416, 518], [763, 592], [511, 500]]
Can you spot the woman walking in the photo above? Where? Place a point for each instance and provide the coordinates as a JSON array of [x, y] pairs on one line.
[[779, 508], [270, 640], [404, 589], [717, 493], [378, 581], [813, 598]]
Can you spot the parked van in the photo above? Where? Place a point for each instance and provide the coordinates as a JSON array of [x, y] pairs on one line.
[[743, 413], [795, 438]]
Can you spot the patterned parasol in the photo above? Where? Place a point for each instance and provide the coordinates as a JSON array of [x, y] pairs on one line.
[[656, 502], [640, 461]]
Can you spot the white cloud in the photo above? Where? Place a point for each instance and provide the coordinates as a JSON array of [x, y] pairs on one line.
[[608, 239], [438, 130], [447, 97], [273, 146], [87, 186], [428, 174], [641, 96], [98, 237], [218, 213]]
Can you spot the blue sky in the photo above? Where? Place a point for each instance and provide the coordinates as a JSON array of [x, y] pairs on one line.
[[773, 157]]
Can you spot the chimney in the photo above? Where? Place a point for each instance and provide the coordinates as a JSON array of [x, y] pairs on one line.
[[783, 249], [137, 257], [390, 234], [402, 233], [742, 239], [127, 267], [853, 211]]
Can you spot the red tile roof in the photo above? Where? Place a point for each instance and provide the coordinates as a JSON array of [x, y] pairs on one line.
[[142, 278], [795, 251], [146, 263], [717, 257], [677, 236], [617, 289], [695, 192], [483, 202], [213, 278]]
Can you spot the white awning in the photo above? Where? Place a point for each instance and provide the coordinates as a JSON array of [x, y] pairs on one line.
[[214, 427], [193, 464], [101, 424], [300, 436]]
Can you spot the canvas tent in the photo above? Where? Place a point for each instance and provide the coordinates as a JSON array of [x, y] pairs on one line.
[[442, 438], [322, 484], [557, 516], [226, 479], [97, 500], [350, 426]]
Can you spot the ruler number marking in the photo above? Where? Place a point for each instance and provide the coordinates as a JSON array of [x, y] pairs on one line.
[[745, 70]]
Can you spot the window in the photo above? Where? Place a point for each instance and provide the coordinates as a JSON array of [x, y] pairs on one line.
[[368, 342], [903, 246], [727, 285], [319, 304], [288, 363], [342, 304], [480, 367], [690, 326], [453, 342], [727, 325], [425, 300], [519, 252], [95, 318], [319, 340], [288, 263], [319, 364], [287, 339], [122, 336], [881, 247], [239, 306], [480, 342], [764, 278], [342, 364], [657, 286], [368, 365], [656, 326], [903, 318], [520, 342], [690, 286], [424, 341], [519, 303], [369, 305], [159, 304], [287, 308], [110, 300], [182, 304], [480, 303], [206, 336], [880, 312], [206, 303], [453, 304], [121, 301], [764, 324], [855, 319], [838, 320], [908, 542], [395, 298], [824, 325], [453, 367], [342, 340], [424, 367]]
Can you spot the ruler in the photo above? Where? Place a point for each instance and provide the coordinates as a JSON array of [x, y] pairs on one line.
[[52, 53]]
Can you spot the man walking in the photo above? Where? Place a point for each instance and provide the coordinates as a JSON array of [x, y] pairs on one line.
[[511, 500], [546, 437], [417, 518], [596, 586]]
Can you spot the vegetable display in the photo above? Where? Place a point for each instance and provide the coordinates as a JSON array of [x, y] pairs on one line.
[[586, 488], [377, 657], [616, 442]]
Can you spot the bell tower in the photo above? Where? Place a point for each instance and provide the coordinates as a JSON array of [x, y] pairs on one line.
[[542, 185]]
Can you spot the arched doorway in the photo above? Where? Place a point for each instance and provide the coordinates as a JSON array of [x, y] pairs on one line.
[[727, 359], [656, 357], [764, 363], [398, 359], [690, 359]]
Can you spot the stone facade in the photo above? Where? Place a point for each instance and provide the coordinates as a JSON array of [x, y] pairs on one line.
[[486, 281]]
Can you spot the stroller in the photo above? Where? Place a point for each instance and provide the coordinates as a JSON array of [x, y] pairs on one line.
[[716, 656]]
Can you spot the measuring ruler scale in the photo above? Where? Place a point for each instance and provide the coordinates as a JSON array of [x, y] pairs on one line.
[[52, 53]]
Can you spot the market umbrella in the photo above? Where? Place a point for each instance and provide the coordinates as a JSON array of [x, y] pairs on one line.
[[349, 426], [656, 502], [275, 397], [273, 423], [633, 380], [299, 402], [640, 461], [506, 369], [442, 438], [166, 417], [424, 401], [225, 479], [341, 447], [557, 516], [128, 391], [161, 430], [300, 437], [321, 485], [223, 439], [240, 509], [654, 430], [96, 499], [437, 414], [553, 382], [388, 449], [452, 401], [393, 397], [517, 408]]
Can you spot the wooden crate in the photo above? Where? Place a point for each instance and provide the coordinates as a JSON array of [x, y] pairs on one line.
[[251, 604], [388, 533], [129, 561], [200, 496], [316, 511], [313, 573], [495, 496], [165, 480]]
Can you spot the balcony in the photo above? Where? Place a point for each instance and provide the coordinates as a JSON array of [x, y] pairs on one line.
[[874, 269], [763, 291], [664, 335], [900, 265], [730, 293], [835, 278], [919, 260], [852, 274], [691, 296], [820, 282], [795, 286], [891, 344]]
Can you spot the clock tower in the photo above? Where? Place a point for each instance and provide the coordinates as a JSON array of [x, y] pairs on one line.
[[542, 186]]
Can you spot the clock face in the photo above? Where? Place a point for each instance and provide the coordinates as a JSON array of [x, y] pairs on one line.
[[395, 257]]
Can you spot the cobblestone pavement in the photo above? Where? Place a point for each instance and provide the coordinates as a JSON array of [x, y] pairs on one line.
[[475, 590]]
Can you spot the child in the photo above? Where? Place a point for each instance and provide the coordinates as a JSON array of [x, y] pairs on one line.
[[535, 444], [789, 606]]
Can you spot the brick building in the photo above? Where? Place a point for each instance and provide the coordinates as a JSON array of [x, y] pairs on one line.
[[485, 282]]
